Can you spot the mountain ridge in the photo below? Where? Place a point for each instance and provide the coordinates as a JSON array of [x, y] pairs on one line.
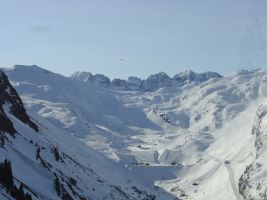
[[152, 83]]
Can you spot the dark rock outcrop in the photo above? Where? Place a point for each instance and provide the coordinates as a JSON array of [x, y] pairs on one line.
[[12, 103]]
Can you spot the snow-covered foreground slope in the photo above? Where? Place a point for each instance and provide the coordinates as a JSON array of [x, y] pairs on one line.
[[190, 141]]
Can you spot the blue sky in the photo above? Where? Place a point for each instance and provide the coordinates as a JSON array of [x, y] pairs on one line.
[[150, 35]]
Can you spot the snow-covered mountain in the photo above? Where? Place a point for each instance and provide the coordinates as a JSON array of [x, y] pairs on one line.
[[193, 136]]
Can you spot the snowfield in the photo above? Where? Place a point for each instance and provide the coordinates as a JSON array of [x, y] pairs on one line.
[[194, 136]]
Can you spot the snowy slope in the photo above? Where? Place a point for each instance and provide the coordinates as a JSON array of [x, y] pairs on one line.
[[188, 140]]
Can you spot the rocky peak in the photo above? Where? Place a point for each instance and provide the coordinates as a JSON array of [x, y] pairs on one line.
[[160, 77], [157, 81], [134, 83], [88, 77], [101, 80]]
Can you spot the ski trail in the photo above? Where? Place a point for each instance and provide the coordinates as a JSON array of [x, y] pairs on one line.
[[232, 181], [231, 174]]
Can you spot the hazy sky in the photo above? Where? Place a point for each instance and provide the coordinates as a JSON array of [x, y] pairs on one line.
[[150, 35]]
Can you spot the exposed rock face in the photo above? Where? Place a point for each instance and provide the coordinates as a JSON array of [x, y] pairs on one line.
[[12, 102]]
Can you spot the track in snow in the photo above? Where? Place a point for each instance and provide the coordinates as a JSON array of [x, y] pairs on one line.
[[231, 174]]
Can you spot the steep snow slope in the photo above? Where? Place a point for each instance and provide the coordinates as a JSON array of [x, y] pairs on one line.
[[191, 141]]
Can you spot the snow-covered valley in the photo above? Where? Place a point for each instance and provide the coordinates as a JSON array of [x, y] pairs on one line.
[[193, 136]]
